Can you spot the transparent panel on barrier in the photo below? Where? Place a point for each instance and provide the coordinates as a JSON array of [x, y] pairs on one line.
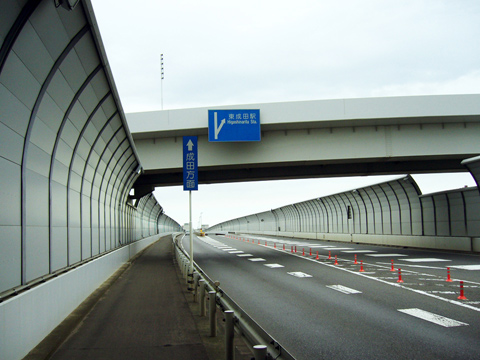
[[429, 224], [458, 223], [472, 201], [395, 213], [404, 208], [442, 215]]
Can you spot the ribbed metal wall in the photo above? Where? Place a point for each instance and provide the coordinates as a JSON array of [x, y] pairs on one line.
[[473, 165], [452, 213], [167, 224], [67, 159], [394, 208]]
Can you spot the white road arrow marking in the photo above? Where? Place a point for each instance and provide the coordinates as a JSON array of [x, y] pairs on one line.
[[190, 145], [217, 128]]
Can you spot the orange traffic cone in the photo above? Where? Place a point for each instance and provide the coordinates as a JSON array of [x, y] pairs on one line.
[[449, 279], [399, 276], [462, 295]]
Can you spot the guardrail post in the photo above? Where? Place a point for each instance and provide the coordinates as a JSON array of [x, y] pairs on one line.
[[185, 270], [196, 276], [212, 312], [191, 281], [260, 352], [202, 297], [229, 335], [182, 265]]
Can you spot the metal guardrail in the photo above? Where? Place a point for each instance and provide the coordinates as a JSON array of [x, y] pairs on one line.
[[264, 346]]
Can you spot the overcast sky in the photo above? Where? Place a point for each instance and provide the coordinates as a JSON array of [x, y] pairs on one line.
[[235, 52]]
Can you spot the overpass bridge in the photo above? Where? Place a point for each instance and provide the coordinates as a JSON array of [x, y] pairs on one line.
[[317, 138], [68, 160]]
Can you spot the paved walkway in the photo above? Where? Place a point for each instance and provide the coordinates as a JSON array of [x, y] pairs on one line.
[[143, 315]]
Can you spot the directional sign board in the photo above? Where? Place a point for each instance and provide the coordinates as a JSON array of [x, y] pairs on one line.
[[190, 163], [233, 125]]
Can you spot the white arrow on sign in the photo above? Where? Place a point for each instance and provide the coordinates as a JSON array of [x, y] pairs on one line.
[[190, 145], [217, 128]]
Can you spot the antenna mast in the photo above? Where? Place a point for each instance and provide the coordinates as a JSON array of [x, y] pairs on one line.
[[163, 75]]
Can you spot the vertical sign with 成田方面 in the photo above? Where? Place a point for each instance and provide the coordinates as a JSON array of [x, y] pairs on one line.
[[190, 180], [190, 163]]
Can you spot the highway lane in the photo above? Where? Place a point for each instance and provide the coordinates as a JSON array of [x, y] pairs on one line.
[[337, 312]]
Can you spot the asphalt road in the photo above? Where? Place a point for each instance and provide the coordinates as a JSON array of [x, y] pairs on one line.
[[319, 310]]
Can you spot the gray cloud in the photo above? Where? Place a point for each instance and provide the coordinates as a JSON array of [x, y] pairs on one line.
[[253, 51]]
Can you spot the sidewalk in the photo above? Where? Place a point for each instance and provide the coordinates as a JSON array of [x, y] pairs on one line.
[[143, 315]]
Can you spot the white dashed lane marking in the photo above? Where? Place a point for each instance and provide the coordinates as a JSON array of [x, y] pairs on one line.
[[385, 255], [344, 289], [299, 274], [434, 318], [274, 266], [424, 260], [359, 251], [466, 267], [257, 259]]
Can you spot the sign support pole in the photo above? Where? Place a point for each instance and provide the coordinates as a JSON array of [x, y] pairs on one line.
[[191, 231], [190, 180]]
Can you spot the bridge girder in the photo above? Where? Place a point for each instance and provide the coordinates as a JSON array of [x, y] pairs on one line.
[[150, 179]]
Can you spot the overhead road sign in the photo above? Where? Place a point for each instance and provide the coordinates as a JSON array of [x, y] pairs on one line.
[[233, 125], [190, 163]]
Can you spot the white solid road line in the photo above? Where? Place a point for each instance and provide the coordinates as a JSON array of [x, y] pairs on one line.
[[434, 318]]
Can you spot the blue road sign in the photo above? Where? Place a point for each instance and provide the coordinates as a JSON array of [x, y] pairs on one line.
[[234, 125], [190, 163]]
